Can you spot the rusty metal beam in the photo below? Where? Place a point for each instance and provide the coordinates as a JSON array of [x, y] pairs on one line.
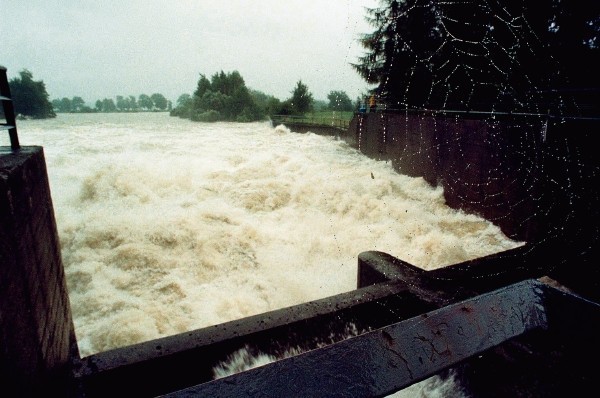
[[396, 356], [139, 370]]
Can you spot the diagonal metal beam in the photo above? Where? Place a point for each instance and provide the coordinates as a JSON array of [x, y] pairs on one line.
[[396, 356]]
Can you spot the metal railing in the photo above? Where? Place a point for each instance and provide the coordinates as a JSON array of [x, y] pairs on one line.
[[585, 108], [8, 109], [413, 324], [313, 120]]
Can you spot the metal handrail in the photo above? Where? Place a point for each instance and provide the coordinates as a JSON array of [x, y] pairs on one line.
[[486, 113], [313, 120], [9, 110], [383, 106]]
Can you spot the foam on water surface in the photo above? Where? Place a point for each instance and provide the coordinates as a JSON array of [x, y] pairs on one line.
[[168, 225]]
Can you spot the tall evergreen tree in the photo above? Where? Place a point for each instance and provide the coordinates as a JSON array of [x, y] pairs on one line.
[[399, 51], [480, 55]]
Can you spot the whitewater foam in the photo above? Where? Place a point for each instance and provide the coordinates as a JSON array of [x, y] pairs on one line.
[[168, 225]]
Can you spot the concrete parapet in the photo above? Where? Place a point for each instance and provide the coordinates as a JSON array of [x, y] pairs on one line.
[[37, 338], [534, 177]]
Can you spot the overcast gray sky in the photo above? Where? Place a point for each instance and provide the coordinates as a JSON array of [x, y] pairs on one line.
[[103, 48]]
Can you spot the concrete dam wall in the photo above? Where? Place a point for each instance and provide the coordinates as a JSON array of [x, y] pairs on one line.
[[535, 177], [491, 169]]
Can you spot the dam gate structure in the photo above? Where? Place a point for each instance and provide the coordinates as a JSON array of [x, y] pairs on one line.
[[534, 176], [37, 339], [497, 321]]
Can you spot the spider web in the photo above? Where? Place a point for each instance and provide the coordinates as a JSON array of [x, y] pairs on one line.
[[491, 100], [476, 55], [495, 101]]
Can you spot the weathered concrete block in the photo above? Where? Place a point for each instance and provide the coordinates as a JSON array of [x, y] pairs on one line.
[[37, 339]]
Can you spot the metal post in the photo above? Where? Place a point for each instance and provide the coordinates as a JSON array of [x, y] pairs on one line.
[[9, 111]]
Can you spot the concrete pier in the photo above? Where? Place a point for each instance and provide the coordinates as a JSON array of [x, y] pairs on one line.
[[37, 339]]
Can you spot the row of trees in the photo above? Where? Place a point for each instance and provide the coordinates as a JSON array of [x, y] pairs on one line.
[[154, 102], [478, 55], [225, 97], [30, 99]]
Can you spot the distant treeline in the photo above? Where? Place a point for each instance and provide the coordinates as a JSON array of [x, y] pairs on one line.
[[31, 99], [144, 103], [224, 97]]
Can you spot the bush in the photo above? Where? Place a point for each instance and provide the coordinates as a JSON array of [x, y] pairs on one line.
[[183, 112], [224, 97], [208, 116]]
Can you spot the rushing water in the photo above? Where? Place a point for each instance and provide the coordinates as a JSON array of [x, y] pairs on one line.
[[168, 225]]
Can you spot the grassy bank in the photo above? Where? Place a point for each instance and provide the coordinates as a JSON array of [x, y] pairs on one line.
[[321, 118]]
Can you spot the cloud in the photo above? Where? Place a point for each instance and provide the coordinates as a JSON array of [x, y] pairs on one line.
[[103, 49]]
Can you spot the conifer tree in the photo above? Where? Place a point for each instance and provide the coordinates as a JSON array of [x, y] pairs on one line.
[[480, 55]]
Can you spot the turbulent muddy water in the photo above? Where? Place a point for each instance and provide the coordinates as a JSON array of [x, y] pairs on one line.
[[168, 225]]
